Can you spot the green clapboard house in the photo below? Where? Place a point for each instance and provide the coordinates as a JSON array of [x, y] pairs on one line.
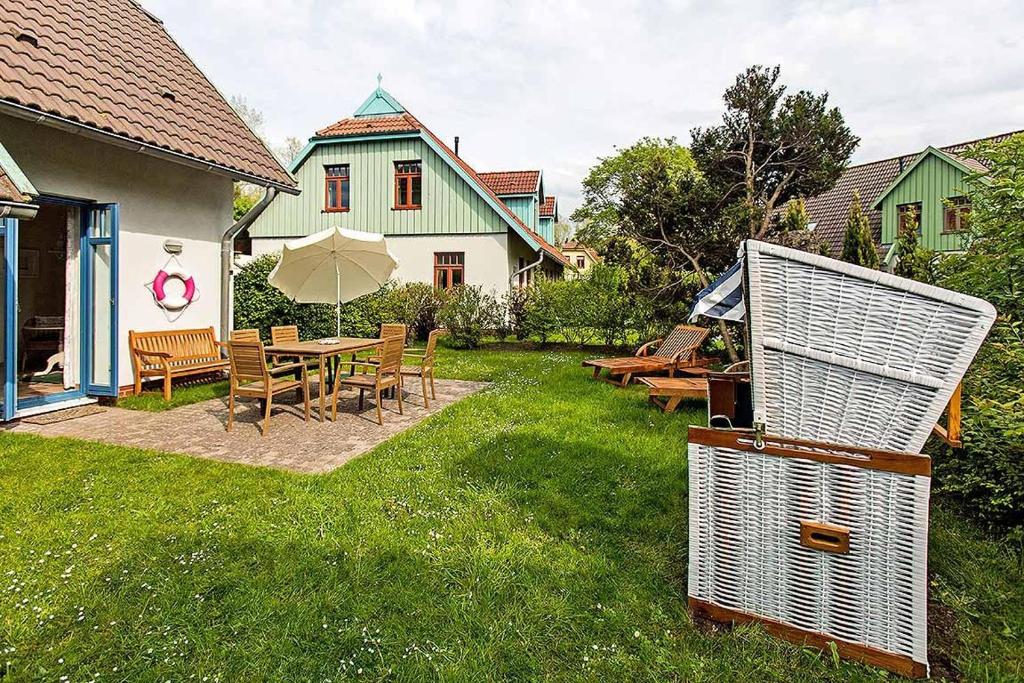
[[931, 184], [381, 170]]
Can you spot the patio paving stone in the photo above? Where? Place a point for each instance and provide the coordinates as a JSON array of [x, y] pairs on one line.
[[292, 444]]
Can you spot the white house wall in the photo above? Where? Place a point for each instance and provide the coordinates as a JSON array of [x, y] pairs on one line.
[[158, 200], [487, 256]]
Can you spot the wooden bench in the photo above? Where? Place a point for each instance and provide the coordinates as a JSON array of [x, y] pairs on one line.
[[174, 353]]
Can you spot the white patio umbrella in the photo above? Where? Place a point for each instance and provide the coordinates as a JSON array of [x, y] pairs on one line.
[[332, 267]]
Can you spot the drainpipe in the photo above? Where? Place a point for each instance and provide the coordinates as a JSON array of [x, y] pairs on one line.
[[227, 257], [529, 266], [25, 212]]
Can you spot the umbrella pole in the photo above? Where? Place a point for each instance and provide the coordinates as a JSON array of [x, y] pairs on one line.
[[337, 272]]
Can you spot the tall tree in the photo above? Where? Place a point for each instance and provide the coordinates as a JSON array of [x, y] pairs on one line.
[[287, 152], [911, 259], [769, 148], [858, 245], [652, 193]]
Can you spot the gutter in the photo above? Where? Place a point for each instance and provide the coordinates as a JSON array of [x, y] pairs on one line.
[[19, 210], [227, 249], [54, 121], [529, 266]]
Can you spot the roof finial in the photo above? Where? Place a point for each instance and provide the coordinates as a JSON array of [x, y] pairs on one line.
[[379, 79]]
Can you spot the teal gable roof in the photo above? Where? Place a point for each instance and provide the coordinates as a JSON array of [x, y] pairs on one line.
[[380, 103]]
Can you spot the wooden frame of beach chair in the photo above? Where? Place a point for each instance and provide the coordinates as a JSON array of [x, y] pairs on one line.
[[677, 350]]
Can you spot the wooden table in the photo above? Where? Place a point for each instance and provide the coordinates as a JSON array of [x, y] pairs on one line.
[[323, 353], [667, 392]]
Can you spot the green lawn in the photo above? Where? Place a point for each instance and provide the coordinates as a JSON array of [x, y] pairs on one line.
[[535, 531]]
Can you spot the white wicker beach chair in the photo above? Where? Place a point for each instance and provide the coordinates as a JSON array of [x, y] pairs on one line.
[[850, 355]]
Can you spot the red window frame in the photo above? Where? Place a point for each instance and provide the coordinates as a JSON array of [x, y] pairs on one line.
[[903, 213], [581, 262], [449, 266], [408, 185], [337, 176]]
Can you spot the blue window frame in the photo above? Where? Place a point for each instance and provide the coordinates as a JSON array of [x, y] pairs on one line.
[[9, 310], [99, 308]]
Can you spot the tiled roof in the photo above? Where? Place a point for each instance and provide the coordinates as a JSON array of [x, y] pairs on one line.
[[828, 211], [547, 209], [112, 66], [407, 123], [371, 125], [504, 183], [8, 191]]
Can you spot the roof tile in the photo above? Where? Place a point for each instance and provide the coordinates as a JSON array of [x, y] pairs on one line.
[[505, 183], [8, 191], [828, 210], [147, 89], [547, 209]]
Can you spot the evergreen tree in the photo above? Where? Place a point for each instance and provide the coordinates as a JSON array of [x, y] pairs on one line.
[[912, 260], [858, 246]]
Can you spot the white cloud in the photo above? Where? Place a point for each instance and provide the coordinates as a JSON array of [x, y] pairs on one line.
[[554, 85]]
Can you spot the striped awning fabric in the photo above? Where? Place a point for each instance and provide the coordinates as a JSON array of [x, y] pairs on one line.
[[723, 298]]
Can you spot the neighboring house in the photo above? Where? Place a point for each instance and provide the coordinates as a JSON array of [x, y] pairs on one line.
[[581, 257], [930, 183], [381, 170], [115, 151], [548, 218]]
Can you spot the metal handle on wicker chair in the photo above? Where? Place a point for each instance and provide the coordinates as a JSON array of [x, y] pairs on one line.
[[825, 537]]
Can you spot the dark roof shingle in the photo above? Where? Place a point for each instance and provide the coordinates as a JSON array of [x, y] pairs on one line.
[[828, 211], [112, 66]]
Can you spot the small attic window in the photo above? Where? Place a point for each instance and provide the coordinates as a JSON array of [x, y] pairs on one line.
[[169, 96], [27, 36]]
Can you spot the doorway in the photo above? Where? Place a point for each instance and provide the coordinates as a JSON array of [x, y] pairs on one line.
[[49, 302], [58, 299]]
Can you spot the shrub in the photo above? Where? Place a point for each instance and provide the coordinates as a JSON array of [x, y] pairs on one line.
[[514, 313], [416, 304], [987, 474], [467, 313], [540, 315], [259, 305], [611, 311]]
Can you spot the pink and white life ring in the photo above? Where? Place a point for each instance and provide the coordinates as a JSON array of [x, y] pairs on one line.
[[174, 302]]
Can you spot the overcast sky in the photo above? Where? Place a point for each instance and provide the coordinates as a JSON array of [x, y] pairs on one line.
[[555, 85]]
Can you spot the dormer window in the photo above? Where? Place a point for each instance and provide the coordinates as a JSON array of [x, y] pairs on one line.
[[337, 195], [408, 185]]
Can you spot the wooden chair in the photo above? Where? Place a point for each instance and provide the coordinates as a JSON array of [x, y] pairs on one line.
[[284, 334], [387, 374], [425, 369], [677, 350], [251, 377], [248, 335]]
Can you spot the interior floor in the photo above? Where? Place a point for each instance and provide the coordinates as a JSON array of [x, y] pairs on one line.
[[42, 278]]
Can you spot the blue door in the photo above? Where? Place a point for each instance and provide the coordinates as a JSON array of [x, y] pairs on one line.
[[8, 315], [99, 314]]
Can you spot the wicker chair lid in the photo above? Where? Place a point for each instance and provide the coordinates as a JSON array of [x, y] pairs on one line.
[[850, 355]]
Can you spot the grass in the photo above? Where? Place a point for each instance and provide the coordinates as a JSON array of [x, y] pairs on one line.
[[535, 531]]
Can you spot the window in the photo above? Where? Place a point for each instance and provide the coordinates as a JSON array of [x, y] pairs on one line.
[[957, 213], [408, 184], [907, 212], [336, 188], [448, 269], [581, 262]]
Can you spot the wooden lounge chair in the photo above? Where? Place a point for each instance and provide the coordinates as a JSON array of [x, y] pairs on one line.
[[668, 392], [661, 356], [251, 377], [425, 370], [385, 375]]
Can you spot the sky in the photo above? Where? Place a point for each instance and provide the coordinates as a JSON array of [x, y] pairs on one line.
[[557, 85]]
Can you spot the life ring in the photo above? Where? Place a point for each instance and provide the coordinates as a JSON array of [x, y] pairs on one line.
[[176, 302]]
